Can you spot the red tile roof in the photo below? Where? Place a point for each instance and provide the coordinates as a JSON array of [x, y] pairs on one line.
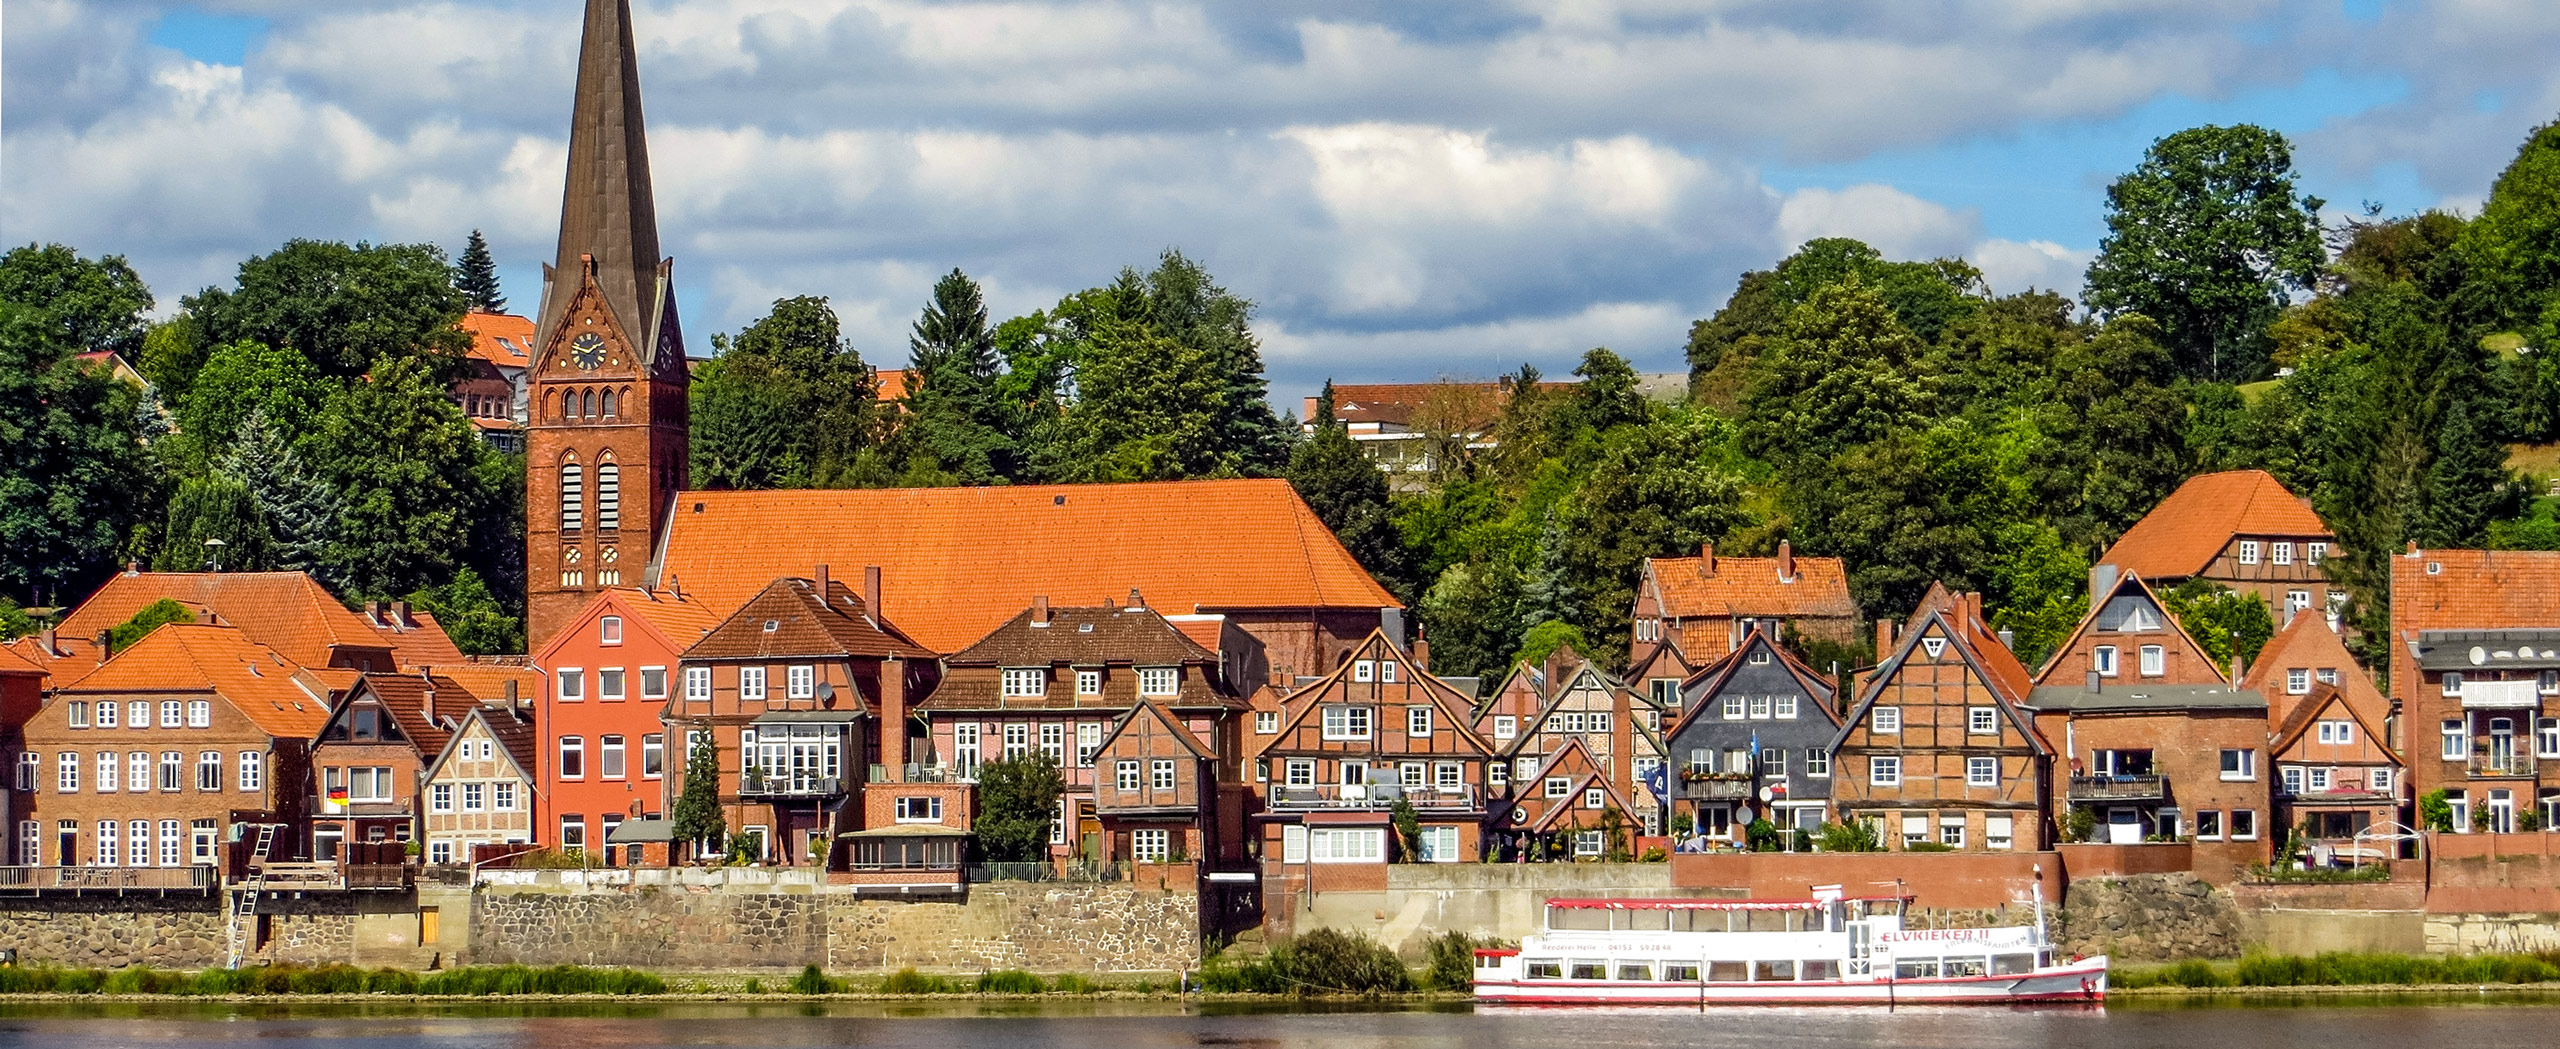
[[1083, 637], [2291, 728], [803, 625], [2474, 590], [959, 561], [1750, 586], [13, 663], [286, 611], [2308, 642], [503, 339], [192, 657], [2182, 535], [488, 681], [1394, 403], [405, 696], [889, 384]]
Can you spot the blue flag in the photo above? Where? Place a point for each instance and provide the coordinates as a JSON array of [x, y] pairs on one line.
[[1659, 781]]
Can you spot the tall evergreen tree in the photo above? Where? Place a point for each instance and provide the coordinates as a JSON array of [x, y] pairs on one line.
[[697, 817], [2465, 482], [477, 276], [299, 511], [1348, 492], [956, 423], [1185, 304]]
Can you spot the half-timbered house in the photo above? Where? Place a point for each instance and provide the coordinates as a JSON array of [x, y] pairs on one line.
[[1939, 749], [1353, 743]]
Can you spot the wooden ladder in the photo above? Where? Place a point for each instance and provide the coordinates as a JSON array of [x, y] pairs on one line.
[[244, 916]]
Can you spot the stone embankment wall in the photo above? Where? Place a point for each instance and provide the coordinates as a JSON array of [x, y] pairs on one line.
[[554, 918], [112, 932], [2150, 917]]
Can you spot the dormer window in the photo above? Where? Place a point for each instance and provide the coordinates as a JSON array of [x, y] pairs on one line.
[[1025, 682], [1157, 681], [1088, 682]]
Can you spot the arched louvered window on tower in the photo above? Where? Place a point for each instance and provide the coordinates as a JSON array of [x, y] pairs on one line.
[[608, 404], [573, 508], [608, 495], [587, 404]]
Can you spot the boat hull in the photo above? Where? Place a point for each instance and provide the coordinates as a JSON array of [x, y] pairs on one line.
[[2080, 981]]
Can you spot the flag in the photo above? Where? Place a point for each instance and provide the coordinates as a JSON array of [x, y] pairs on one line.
[[1659, 781], [1755, 751]]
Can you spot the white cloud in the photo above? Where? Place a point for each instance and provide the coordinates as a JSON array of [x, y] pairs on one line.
[[2011, 266], [1896, 223]]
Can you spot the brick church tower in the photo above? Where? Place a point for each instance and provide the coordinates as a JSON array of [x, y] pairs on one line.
[[605, 455]]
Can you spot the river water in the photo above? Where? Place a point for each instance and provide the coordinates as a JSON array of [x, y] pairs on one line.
[[2148, 1024]]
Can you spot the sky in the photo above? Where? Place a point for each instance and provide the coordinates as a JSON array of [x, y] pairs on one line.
[[1409, 189]]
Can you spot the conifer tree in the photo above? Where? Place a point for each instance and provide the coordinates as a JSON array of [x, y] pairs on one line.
[[956, 425], [697, 813], [299, 512], [478, 278]]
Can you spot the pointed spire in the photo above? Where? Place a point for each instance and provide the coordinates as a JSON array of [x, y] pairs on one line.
[[607, 210]]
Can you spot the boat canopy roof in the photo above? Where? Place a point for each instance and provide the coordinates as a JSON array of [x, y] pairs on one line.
[[1706, 905]]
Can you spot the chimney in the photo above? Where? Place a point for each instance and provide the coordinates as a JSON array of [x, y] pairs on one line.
[[2009, 639], [1040, 610], [511, 694], [400, 614], [893, 718], [52, 650], [135, 567], [2093, 681], [104, 639], [871, 594], [1707, 559], [2102, 578], [822, 584], [1786, 561], [1421, 652], [1884, 638], [2239, 668], [427, 704], [676, 587], [1136, 600], [1391, 623]]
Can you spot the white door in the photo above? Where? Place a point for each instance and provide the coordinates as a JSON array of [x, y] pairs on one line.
[[2124, 827]]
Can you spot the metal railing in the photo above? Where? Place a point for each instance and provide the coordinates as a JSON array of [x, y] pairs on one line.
[[2119, 788], [1460, 798], [119, 880], [2485, 763], [915, 773], [1076, 871], [786, 786]]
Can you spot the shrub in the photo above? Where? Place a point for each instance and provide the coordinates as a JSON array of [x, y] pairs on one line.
[[754, 986], [909, 981], [1071, 983], [391, 981], [2345, 968], [1449, 962], [1653, 854], [1010, 981], [1332, 961], [1928, 846], [1853, 836], [226, 981], [142, 979], [80, 981], [559, 979], [812, 980]]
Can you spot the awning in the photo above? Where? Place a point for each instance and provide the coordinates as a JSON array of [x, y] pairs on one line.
[[821, 717], [920, 830], [642, 832]]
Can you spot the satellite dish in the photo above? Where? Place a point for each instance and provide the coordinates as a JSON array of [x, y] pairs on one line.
[[2479, 655], [1771, 793]]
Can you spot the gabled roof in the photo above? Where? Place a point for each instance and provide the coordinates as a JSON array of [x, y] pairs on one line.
[[1648, 658], [2473, 590], [1454, 708], [1172, 725], [959, 561], [488, 681], [2129, 590], [69, 658], [502, 339], [1594, 774], [803, 625], [2323, 698], [1710, 681], [2309, 642], [1396, 403], [513, 732], [1955, 617], [287, 611], [13, 663], [267, 688], [1524, 675], [406, 696], [1566, 684], [1715, 585], [2183, 534], [677, 620], [890, 384], [1088, 637]]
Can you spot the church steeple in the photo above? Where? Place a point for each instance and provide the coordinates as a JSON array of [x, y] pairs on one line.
[[607, 210]]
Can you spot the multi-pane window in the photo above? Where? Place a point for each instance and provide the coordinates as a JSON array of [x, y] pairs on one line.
[[2316, 552], [1417, 722], [1387, 671], [1149, 846], [27, 760], [697, 684], [803, 681], [1025, 682], [1787, 707], [1156, 681], [1364, 670], [2297, 680], [751, 683], [1266, 722], [1761, 706], [138, 771], [1161, 774], [107, 843], [173, 770], [964, 748], [1982, 772], [2337, 732], [1053, 742], [2292, 776], [1447, 775], [2283, 552], [1506, 727], [168, 843], [1125, 775], [200, 713], [1088, 740], [173, 713], [1817, 762], [1885, 720], [609, 756], [2456, 741], [440, 797], [110, 775], [2248, 551], [925, 808], [1299, 772], [76, 713], [1088, 682], [1595, 798], [1017, 740], [66, 773], [1884, 771], [502, 796], [1346, 723], [1982, 721], [108, 713], [473, 796], [1559, 787], [1773, 762], [2239, 763], [2546, 736], [1733, 708]]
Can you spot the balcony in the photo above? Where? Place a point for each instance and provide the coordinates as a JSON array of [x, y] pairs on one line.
[[915, 773], [1357, 796], [1716, 786], [2490, 765], [2524, 694], [756, 784], [106, 881], [2119, 788]]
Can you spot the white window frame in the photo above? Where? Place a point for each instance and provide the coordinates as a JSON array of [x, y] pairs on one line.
[[199, 713], [253, 770], [1124, 774], [570, 684], [2282, 552], [1417, 721], [1884, 770], [2155, 660], [1386, 671], [751, 684], [1346, 845], [609, 630], [1266, 722], [1160, 775], [1088, 741], [2454, 737], [440, 797], [697, 684], [1364, 670], [801, 681], [1981, 772], [1088, 682], [1817, 763], [2247, 764], [1348, 722], [1733, 708], [1885, 721], [917, 808], [1159, 681], [1149, 845], [1025, 682], [2248, 551], [2103, 660], [1559, 786], [2240, 816], [1787, 707], [1982, 721], [612, 685]]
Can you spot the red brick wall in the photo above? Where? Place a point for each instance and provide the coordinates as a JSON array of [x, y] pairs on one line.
[[1946, 880]]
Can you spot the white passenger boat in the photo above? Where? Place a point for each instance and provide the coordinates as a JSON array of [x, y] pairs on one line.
[[1825, 950]]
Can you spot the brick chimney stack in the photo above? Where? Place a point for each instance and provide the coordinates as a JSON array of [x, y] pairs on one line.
[[1040, 610], [427, 705], [1135, 599], [1884, 639], [871, 594], [893, 718], [1786, 561], [822, 584], [1707, 559]]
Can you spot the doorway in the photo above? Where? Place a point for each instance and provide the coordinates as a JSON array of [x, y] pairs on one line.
[[2124, 826]]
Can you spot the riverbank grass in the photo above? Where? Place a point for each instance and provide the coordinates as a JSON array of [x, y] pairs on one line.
[[2343, 969]]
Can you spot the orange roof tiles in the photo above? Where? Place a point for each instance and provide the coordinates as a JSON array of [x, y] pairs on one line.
[[1751, 586], [2188, 529], [183, 657], [890, 384], [13, 663], [2307, 642], [2474, 590], [287, 611], [502, 339], [488, 681], [682, 620], [789, 617], [959, 561]]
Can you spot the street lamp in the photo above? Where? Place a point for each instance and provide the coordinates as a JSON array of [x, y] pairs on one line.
[[213, 554]]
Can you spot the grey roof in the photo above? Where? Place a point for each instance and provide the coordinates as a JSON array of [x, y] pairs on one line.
[[2488, 649], [2146, 697], [1470, 687], [639, 831]]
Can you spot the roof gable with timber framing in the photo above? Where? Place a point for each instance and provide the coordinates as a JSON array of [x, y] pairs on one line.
[[1302, 728]]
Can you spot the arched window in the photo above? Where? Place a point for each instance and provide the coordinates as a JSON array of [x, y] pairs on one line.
[[608, 404], [587, 404], [608, 495], [551, 405], [572, 498]]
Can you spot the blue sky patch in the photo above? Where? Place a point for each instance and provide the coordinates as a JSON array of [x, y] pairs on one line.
[[210, 38]]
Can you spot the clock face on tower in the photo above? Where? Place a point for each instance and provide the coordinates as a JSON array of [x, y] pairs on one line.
[[587, 351]]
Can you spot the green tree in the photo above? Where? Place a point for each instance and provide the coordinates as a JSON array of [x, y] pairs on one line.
[[1185, 304], [214, 507], [75, 479], [1147, 408], [2113, 446], [1017, 802], [2208, 237], [472, 616], [803, 339], [747, 428], [1656, 490], [697, 818], [1908, 510], [2466, 483], [1545, 638], [477, 276], [344, 308], [83, 305], [1607, 394], [1925, 297], [148, 618], [403, 462], [1349, 494], [1472, 616], [1839, 374], [2511, 252], [2223, 622], [957, 423], [298, 509], [1723, 347], [243, 378], [2038, 585]]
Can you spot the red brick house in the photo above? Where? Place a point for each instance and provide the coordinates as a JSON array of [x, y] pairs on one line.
[[192, 730], [1940, 747], [2241, 529], [1510, 713], [1615, 728], [1055, 681], [1657, 671], [2157, 743], [1705, 605], [2475, 665], [2338, 780], [1564, 810], [611, 669], [1156, 792], [369, 757], [789, 688], [1375, 730], [2303, 655]]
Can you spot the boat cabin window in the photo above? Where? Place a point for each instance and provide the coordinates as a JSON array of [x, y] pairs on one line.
[[1973, 966], [1578, 919], [1649, 920], [1543, 969], [1773, 970], [1680, 972], [1915, 969], [1635, 971], [1820, 969], [2012, 964], [1590, 969], [1728, 972]]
